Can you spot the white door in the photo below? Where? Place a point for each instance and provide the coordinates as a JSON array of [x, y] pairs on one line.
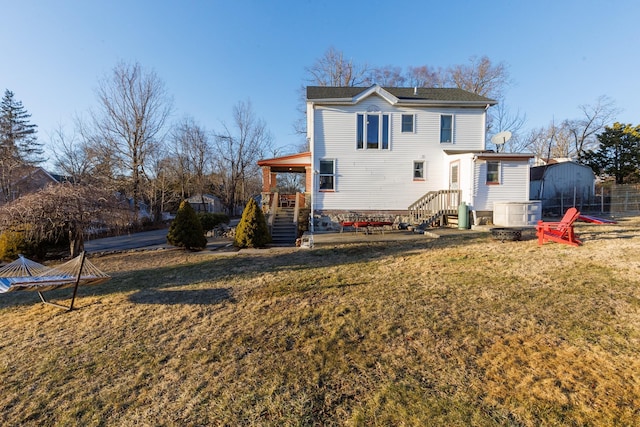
[[454, 183]]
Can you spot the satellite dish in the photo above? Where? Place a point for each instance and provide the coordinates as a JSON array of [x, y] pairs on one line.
[[501, 138]]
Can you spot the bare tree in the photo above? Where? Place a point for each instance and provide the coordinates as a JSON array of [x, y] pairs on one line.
[[594, 119], [236, 153], [424, 76], [63, 210], [505, 120], [165, 189], [192, 152], [562, 146], [572, 138], [332, 69], [72, 156], [539, 141], [130, 121], [550, 142], [480, 76], [388, 76]]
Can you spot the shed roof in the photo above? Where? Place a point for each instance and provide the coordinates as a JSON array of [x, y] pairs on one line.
[[536, 173]]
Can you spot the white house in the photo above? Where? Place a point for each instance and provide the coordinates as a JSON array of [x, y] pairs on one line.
[[386, 151]]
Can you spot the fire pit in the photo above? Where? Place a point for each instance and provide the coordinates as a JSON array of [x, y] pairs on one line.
[[506, 233]]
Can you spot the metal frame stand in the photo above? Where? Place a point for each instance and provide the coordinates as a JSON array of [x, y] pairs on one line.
[[75, 289]]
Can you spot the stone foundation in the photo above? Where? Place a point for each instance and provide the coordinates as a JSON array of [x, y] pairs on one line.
[[325, 221]]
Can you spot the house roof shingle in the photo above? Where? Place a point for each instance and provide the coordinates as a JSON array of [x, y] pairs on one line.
[[402, 93]]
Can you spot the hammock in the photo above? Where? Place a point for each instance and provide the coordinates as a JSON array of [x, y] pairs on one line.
[[26, 275]]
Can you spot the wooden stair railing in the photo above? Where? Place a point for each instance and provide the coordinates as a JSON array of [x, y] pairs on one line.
[[433, 206]]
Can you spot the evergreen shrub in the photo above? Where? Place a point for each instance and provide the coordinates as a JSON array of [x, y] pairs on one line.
[[252, 230], [186, 231]]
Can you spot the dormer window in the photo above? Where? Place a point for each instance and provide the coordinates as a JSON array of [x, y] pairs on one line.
[[372, 131]]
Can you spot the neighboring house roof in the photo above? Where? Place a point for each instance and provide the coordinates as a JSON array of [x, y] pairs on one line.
[[30, 172], [61, 178], [397, 95], [208, 198]]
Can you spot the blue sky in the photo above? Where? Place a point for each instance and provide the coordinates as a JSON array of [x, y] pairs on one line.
[[213, 54]]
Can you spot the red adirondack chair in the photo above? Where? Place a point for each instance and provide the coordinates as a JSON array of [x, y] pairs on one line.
[[559, 232]]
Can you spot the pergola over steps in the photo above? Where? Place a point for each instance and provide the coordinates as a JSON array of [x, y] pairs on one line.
[[294, 163]]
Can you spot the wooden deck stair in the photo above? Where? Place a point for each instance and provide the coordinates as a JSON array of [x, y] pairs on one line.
[[434, 207]]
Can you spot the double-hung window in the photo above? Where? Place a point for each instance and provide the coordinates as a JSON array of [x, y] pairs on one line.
[[408, 123], [327, 175], [446, 128], [372, 131], [418, 171], [493, 172]]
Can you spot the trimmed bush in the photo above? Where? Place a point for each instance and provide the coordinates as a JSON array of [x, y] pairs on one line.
[[252, 230], [186, 231]]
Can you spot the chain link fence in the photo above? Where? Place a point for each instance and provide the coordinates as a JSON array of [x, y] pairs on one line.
[[608, 199]]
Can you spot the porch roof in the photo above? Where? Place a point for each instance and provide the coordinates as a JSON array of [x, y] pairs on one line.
[[291, 163]]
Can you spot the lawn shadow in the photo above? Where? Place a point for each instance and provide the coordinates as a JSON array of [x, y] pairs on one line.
[[180, 297], [158, 285]]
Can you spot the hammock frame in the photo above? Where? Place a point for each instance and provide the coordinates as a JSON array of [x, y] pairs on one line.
[[24, 274], [75, 289]]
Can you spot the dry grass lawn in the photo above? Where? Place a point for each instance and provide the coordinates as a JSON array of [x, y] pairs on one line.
[[461, 330]]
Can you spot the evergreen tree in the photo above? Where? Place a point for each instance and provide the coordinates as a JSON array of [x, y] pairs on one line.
[[252, 230], [185, 230], [19, 145], [618, 154], [18, 138]]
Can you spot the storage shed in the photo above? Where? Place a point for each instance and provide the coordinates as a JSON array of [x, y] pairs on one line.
[[561, 184]]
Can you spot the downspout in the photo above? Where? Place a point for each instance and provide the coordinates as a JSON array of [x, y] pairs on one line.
[[311, 141]]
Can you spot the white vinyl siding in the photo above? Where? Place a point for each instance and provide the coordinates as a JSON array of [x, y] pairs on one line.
[[514, 178]]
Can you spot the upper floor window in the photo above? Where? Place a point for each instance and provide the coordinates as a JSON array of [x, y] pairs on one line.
[[372, 131], [407, 123], [446, 128], [493, 172], [327, 175]]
